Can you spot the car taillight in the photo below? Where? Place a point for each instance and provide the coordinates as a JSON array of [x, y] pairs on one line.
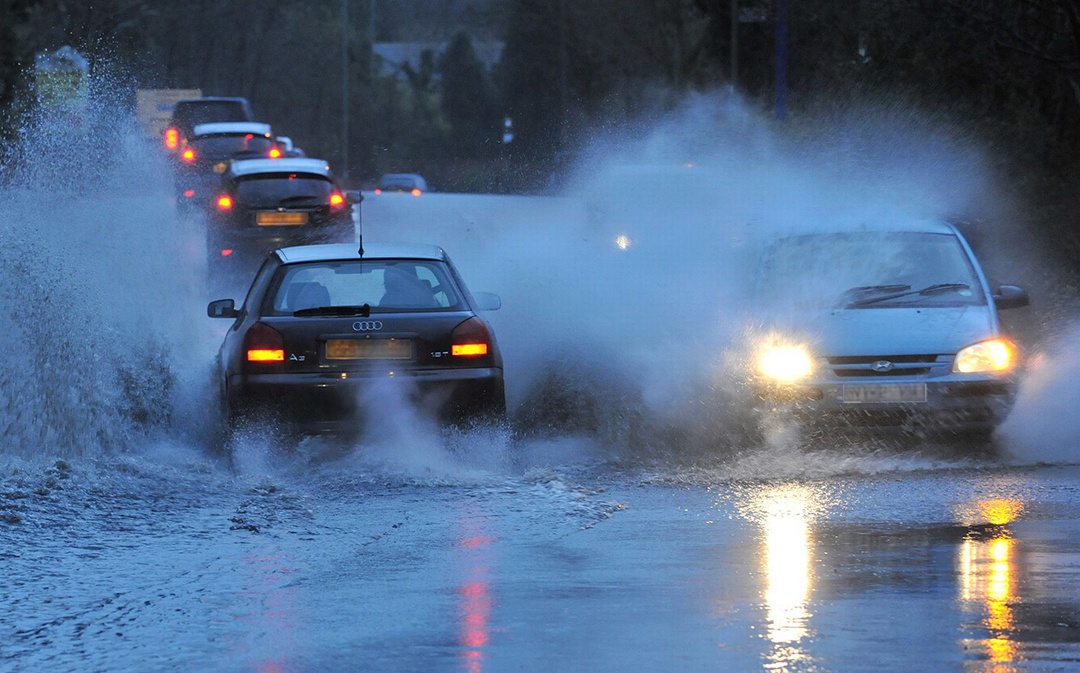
[[263, 343], [470, 339], [378, 191], [172, 139], [188, 155], [416, 192], [337, 200], [224, 202], [274, 153], [188, 193], [226, 252]]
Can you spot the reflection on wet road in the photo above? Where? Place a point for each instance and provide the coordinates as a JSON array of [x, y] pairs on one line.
[[573, 568]]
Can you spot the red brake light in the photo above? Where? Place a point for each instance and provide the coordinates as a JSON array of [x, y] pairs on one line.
[[188, 155], [172, 139], [226, 252], [274, 153], [378, 191], [470, 339], [264, 344], [224, 202], [188, 193], [416, 192], [337, 200]]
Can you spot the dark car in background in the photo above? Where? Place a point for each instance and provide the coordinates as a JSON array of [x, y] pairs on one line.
[[262, 204], [187, 114], [211, 149], [402, 182], [324, 325]]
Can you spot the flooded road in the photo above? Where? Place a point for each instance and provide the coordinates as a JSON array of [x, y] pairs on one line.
[[128, 564]]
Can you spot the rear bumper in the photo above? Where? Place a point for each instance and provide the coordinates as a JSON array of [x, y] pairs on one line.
[[316, 402], [954, 405]]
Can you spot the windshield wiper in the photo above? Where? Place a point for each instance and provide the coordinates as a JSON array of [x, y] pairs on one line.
[[929, 289], [364, 310]]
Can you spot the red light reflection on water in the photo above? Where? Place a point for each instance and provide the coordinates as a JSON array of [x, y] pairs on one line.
[[475, 600]]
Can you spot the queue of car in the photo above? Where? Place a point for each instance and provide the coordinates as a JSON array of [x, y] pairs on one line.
[[890, 327]]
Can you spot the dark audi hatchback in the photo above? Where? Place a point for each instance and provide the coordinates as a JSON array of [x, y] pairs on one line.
[[328, 335]]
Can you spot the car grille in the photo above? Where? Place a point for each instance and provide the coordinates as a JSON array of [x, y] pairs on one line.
[[863, 366]]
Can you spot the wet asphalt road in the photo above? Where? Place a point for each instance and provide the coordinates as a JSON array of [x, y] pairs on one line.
[[133, 565]]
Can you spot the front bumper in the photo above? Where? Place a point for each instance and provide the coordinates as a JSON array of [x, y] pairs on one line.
[[955, 404], [329, 401]]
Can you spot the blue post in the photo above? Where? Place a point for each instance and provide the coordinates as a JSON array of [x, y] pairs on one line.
[[781, 59]]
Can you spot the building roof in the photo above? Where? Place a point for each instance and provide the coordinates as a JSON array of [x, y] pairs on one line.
[[394, 56]]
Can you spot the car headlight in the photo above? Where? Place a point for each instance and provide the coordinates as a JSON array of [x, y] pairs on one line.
[[785, 364], [993, 355]]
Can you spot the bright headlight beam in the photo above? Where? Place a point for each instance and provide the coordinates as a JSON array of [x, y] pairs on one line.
[[994, 355], [785, 364]]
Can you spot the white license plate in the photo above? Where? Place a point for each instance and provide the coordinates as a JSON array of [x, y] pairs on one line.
[[881, 393]]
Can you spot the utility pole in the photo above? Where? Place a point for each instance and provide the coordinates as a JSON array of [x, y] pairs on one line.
[[781, 60], [734, 46], [344, 90]]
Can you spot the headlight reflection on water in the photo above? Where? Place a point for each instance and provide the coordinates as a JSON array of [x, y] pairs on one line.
[[988, 583]]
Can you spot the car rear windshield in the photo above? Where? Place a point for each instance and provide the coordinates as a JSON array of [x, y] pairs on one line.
[[849, 270], [284, 189], [228, 145], [384, 285], [397, 183], [206, 112]]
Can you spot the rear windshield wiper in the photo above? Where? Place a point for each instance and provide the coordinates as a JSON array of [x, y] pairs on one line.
[[929, 289], [364, 310], [302, 197]]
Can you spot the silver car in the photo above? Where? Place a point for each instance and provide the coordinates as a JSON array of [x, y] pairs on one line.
[[884, 327]]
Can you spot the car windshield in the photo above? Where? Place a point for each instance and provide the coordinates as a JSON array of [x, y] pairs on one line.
[[869, 269], [226, 145], [397, 182], [284, 189], [383, 285]]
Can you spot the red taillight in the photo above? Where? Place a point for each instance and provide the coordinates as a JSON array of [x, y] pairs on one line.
[[226, 252], [337, 200], [264, 344], [416, 192], [378, 191], [172, 139], [274, 153], [188, 155], [224, 202], [188, 193], [470, 339]]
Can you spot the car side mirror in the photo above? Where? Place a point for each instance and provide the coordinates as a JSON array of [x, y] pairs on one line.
[[487, 301], [353, 196], [222, 308], [1010, 296]]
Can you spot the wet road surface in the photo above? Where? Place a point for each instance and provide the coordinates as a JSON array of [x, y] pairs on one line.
[[132, 564]]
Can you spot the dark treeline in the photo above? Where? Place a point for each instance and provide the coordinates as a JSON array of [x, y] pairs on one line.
[[1010, 69]]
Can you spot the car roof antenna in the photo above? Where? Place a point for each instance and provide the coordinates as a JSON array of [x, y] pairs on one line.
[[360, 227]]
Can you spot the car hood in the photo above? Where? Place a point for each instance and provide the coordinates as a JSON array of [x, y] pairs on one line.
[[890, 331]]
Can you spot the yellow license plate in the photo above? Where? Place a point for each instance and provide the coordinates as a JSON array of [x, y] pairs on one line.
[[274, 219], [369, 349], [220, 167]]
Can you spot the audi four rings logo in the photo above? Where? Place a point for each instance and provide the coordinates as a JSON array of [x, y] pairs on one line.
[[367, 325], [882, 366]]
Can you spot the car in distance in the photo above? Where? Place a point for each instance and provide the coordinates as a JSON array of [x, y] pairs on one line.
[[212, 148], [262, 204], [401, 182], [323, 323], [890, 327], [187, 114]]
